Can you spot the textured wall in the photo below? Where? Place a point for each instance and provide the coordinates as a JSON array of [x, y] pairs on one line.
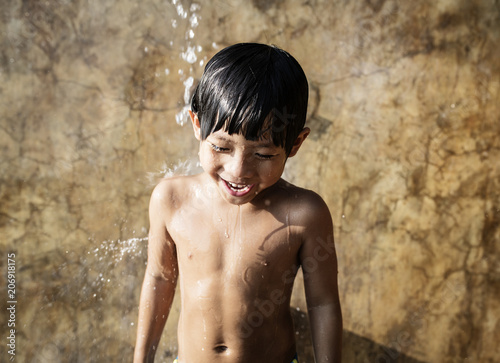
[[405, 113]]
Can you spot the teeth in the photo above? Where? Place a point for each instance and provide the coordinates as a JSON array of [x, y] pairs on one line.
[[238, 187]]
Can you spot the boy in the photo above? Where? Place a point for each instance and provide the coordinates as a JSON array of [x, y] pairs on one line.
[[235, 235]]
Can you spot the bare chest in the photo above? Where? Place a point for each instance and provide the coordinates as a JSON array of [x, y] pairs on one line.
[[234, 245]]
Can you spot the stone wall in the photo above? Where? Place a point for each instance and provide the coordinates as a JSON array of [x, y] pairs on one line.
[[405, 149]]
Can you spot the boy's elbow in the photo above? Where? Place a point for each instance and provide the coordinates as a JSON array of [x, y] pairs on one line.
[[331, 307], [161, 275], [329, 311]]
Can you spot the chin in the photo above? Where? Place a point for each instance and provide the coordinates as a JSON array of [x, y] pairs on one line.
[[238, 200]]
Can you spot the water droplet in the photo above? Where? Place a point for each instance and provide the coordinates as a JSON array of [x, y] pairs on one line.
[[194, 7], [343, 215], [188, 83], [189, 55]]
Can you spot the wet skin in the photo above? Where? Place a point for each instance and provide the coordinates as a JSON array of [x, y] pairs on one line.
[[233, 238]]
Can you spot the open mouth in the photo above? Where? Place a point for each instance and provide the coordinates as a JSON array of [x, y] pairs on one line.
[[237, 190]]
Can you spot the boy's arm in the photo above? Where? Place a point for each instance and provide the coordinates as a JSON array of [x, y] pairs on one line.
[[160, 279], [319, 265]]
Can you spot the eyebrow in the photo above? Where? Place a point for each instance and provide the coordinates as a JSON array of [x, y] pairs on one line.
[[221, 138], [268, 144]]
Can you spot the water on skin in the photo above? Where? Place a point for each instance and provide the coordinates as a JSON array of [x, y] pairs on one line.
[[113, 252]]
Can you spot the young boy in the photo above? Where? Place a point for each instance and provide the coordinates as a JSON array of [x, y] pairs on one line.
[[235, 235]]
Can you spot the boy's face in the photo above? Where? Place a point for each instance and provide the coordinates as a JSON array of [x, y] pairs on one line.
[[242, 168]]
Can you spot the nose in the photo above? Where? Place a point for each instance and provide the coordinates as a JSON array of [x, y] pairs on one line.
[[240, 167]]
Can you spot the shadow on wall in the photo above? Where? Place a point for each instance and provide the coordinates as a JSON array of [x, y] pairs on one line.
[[355, 348]]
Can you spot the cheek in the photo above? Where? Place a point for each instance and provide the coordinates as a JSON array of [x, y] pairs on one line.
[[208, 160], [271, 170]]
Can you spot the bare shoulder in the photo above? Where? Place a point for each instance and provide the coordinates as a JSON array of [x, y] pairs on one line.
[[170, 193], [306, 210], [307, 206]]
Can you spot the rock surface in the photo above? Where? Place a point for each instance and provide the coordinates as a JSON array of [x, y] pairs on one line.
[[405, 149]]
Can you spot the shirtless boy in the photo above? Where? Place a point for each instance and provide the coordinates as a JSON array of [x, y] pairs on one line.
[[235, 235]]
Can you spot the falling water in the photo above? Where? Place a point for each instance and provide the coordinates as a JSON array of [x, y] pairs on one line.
[[189, 54]]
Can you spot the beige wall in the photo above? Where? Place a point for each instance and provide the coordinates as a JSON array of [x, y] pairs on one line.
[[405, 106]]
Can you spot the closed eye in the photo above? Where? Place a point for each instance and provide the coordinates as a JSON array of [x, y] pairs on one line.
[[263, 156], [217, 148]]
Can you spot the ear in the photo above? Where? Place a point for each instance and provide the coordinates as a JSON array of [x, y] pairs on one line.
[[299, 140], [196, 124]]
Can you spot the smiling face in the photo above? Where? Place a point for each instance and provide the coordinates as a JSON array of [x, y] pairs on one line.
[[242, 168]]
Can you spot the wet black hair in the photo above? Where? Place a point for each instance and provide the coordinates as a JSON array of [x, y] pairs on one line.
[[252, 89]]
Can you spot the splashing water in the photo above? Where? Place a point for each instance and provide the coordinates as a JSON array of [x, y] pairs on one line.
[[107, 259], [182, 167], [118, 249]]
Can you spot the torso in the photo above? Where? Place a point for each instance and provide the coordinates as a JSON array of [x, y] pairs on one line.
[[236, 270]]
